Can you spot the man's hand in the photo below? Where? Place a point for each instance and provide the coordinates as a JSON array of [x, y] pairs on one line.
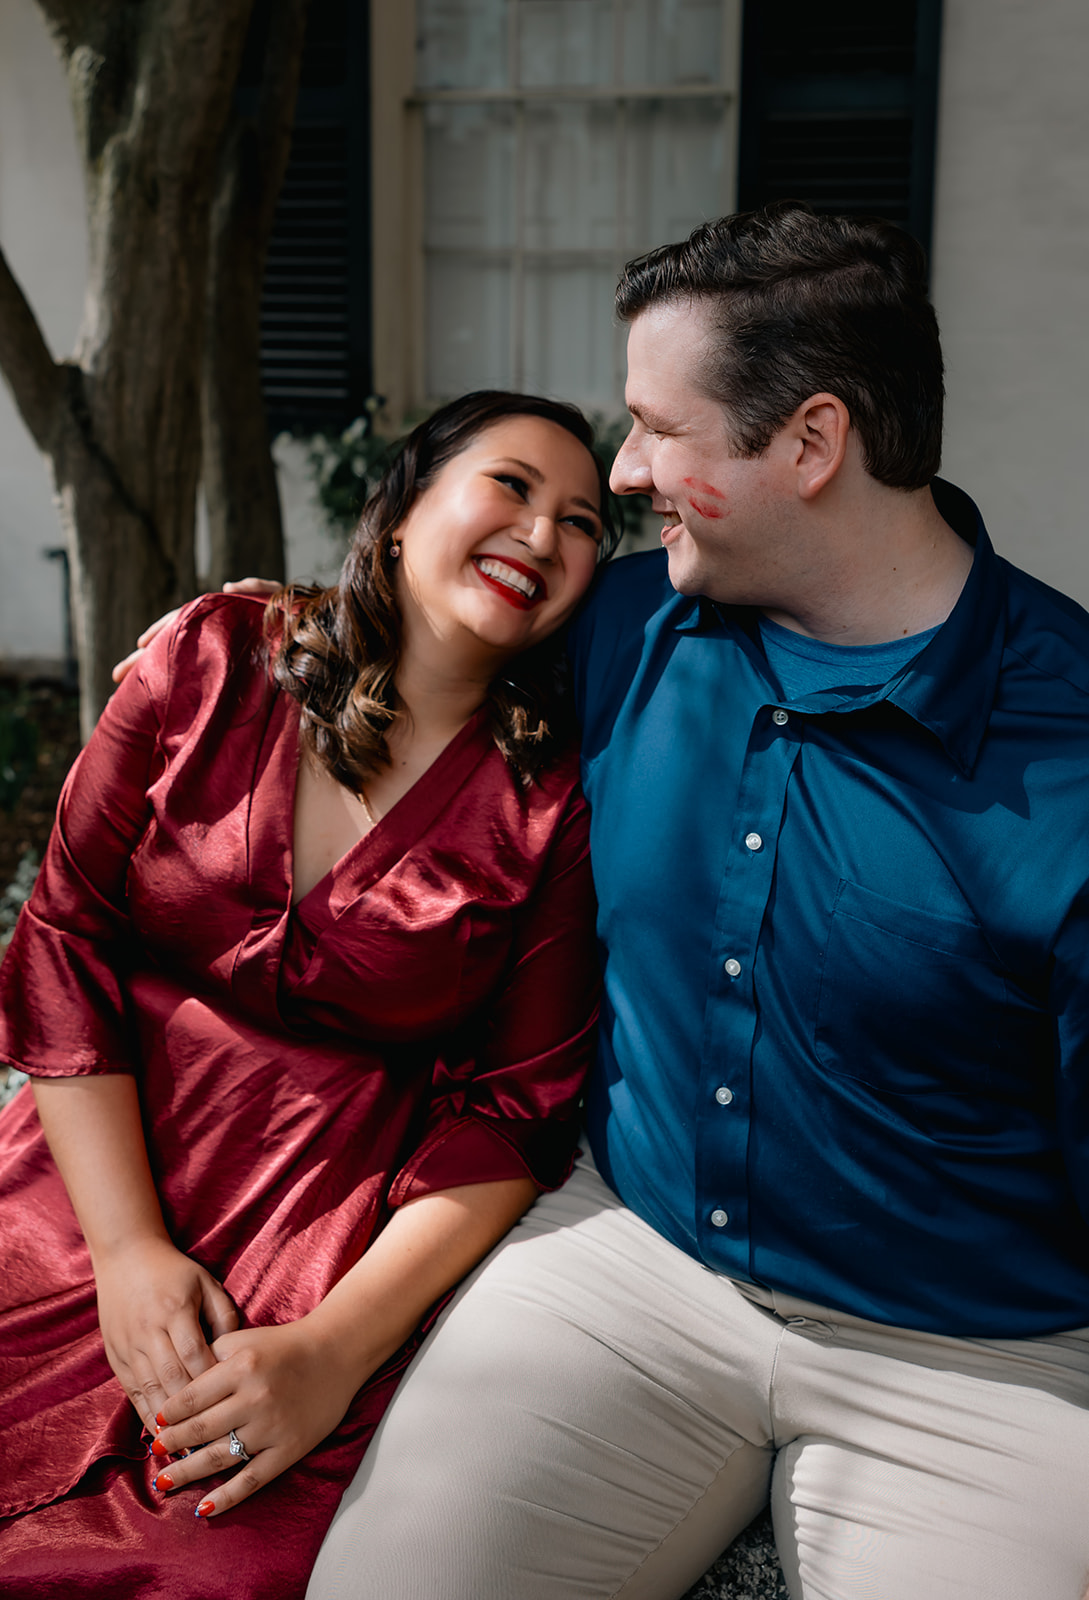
[[258, 586], [282, 1389], [154, 1305]]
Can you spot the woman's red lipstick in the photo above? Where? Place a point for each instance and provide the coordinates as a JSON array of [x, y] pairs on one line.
[[513, 596]]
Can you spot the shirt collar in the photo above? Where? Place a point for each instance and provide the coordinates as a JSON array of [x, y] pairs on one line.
[[950, 685]]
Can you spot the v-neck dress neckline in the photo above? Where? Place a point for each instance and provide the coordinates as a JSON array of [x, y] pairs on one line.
[[364, 862]]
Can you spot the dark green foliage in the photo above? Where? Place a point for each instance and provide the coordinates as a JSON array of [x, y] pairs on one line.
[[18, 746], [346, 468]]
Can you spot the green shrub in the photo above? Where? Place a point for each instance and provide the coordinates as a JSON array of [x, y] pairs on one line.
[[18, 746]]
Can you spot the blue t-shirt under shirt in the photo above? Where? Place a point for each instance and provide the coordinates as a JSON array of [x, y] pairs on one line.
[[804, 666]]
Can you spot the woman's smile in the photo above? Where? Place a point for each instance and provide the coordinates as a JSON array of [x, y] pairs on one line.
[[517, 583]]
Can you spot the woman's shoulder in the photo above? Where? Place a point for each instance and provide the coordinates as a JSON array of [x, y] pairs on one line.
[[219, 621], [218, 633], [550, 804], [214, 648]]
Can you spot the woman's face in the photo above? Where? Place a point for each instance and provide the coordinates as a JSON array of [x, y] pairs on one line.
[[498, 550]]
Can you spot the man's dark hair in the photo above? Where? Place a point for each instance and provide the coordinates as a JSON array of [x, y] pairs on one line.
[[799, 304]]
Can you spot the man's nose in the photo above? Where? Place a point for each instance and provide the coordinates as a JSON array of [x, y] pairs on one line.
[[631, 472]]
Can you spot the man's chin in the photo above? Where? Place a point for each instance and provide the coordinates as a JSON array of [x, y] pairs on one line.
[[681, 572]]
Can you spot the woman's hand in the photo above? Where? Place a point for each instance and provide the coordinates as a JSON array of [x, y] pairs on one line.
[[257, 586], [282, 1390], [154, 1305]]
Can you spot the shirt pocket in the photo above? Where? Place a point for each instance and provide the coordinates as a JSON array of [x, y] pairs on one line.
[[913, 1001]]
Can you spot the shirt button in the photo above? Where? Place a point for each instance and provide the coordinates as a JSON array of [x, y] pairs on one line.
[[719, 1219], [724, 1096], [733, 968], [753, 841], [779, 717]]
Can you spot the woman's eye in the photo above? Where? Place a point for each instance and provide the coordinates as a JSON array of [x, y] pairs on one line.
[[584, 525], [513, 481]]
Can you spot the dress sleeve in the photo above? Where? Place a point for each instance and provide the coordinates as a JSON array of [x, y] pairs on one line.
[[511, 1108], [62, 1003]]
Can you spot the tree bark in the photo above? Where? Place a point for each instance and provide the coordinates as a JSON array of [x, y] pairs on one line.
[[151, 87], [50, 397], [245, 524], [34, 378]]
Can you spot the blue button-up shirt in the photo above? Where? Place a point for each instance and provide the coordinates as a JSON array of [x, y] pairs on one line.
[[846, 938]]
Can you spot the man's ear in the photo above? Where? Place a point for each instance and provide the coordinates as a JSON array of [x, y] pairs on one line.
[[821, 426]]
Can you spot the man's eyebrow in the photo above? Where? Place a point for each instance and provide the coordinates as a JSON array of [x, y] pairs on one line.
[[649, 419], [538, 477]]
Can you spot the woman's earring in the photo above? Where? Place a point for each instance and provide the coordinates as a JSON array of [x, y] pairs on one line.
[[394, 551]]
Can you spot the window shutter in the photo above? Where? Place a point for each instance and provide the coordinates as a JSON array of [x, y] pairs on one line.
[[839, 107], [315, 311]]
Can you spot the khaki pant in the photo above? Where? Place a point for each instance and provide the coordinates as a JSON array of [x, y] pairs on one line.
[[598, 1415]]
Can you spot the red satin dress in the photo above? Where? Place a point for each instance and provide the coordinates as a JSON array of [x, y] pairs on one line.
[[422, 1018]]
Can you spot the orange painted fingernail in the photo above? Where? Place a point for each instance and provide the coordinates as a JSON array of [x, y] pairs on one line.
[[205, 1509], [158, 1448], [160, 1419], [164, 1481]]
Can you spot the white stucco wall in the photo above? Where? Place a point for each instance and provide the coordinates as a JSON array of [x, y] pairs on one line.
[[42, 230], [1011, 274]]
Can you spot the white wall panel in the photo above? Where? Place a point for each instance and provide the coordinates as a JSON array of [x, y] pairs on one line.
[[1011, 274]]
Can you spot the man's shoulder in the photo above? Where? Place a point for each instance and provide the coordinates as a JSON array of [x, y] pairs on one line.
[[1047, 630], [608, 637], [645, 573], [626, 593]]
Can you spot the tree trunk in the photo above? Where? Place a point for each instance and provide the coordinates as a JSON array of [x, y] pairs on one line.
[[241, 492], [151, 87], [152, 109]]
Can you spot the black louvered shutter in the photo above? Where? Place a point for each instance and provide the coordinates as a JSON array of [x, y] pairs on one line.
[[839, 107], [315, 309]]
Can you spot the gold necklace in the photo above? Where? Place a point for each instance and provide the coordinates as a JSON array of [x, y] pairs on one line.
[[371, 818]]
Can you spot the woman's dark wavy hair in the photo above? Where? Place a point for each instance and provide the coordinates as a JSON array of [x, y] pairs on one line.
[[336, 650], [799, 303]]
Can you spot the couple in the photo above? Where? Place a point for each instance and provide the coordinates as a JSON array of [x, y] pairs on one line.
[[829, 1238]]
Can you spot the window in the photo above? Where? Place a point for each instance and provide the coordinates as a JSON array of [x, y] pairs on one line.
[[556, 139]]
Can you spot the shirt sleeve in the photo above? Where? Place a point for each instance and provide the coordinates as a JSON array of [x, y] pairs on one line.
[[1070, 1008], [62, 1000], [510, 1109]]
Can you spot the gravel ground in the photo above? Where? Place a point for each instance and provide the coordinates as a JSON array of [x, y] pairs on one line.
[[749, 1570]]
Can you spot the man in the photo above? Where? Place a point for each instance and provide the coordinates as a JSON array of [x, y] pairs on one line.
[[834, 1245], [836, 1237]]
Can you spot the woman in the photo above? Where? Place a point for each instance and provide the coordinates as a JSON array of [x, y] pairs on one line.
[[297, 1070]]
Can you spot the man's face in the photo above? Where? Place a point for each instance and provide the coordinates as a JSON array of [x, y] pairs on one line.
[[726, 519]]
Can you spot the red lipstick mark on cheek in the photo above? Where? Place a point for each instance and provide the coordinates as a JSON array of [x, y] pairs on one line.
[[708, 493], [705, 488]]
